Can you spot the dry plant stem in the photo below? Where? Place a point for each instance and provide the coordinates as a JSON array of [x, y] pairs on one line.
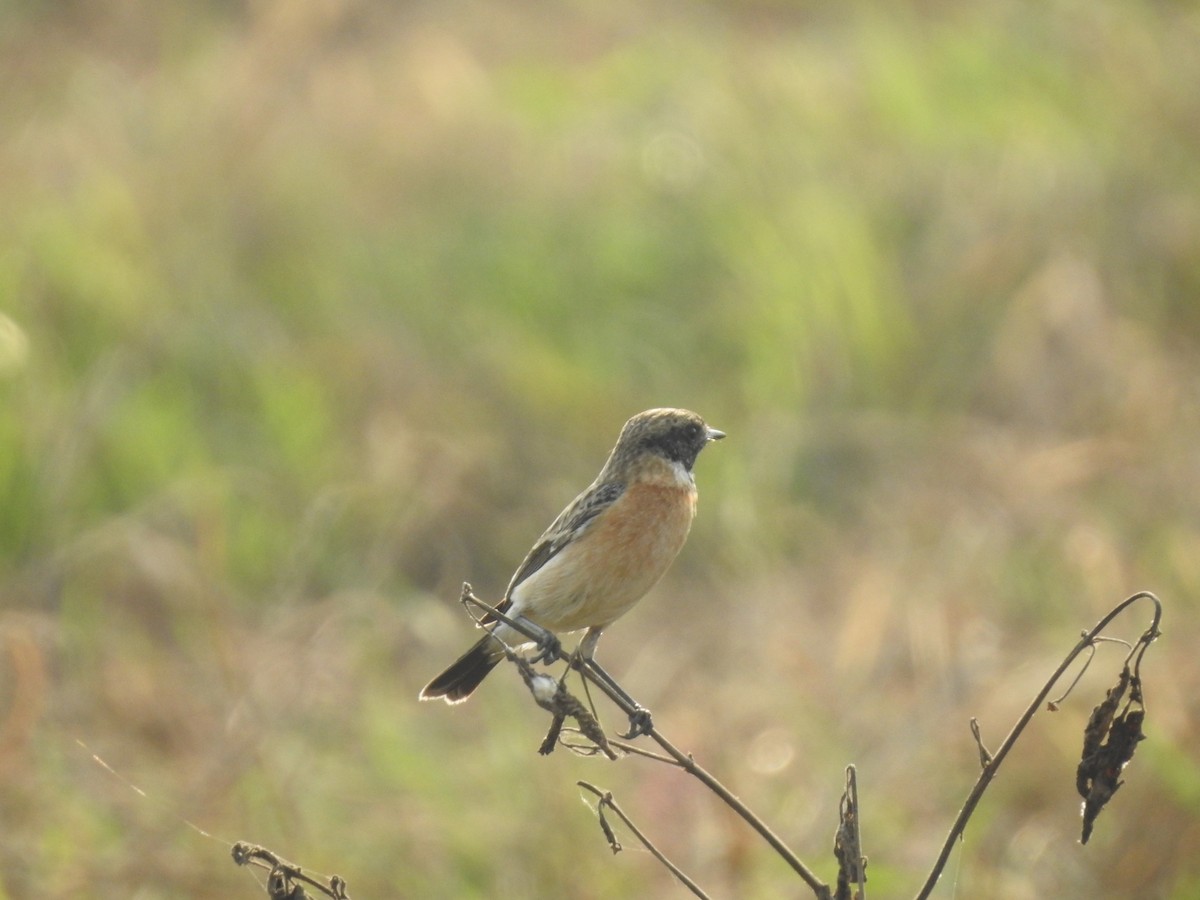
[[989, 770], [689, 765], [283, 875], [683, 760], [847, 844], [606, 800], [635, 750]]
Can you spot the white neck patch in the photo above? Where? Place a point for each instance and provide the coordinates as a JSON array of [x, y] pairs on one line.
[[683, 477]]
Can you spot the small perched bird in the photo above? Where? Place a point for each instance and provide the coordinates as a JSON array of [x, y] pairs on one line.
[[604, 551]]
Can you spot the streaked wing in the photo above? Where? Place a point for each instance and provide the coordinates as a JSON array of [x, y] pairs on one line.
[[570, 524]]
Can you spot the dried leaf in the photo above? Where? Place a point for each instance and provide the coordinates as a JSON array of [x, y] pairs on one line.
[[1109, 741]]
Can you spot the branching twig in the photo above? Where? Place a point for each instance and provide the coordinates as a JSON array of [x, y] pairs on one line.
[[989, 770], [607, 801], [589, 669], [285, 880]]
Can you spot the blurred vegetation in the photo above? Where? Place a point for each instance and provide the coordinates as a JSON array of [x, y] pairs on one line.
[[311, 311]]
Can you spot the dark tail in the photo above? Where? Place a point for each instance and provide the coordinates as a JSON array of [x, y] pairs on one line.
[[464, 675]]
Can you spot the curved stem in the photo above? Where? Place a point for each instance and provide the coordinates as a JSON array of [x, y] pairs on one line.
[[989, 770]]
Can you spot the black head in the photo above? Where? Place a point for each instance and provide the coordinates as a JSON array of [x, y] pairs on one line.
[[677, 435]]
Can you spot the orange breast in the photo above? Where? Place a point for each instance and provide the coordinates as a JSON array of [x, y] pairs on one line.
[[615, 562]]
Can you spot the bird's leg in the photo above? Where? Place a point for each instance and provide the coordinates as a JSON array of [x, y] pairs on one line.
[[584, 657], [549, 647]]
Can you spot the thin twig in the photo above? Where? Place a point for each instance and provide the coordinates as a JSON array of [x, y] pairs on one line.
[[589, 670], [634, 749], [985, 755], [606, 800], [1053, 705], [989, 770]]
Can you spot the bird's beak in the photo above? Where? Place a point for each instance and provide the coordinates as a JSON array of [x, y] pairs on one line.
[[714, 435]]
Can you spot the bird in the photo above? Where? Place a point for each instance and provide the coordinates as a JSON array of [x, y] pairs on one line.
[[605, 550]]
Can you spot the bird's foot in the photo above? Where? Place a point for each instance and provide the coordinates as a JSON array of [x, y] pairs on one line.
[[549, 649], [639, 723]]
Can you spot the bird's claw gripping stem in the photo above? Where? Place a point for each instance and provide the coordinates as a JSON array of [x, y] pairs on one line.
[[549, 648], [639, 723]]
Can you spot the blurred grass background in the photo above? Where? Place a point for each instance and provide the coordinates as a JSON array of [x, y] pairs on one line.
[[311, 311]]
